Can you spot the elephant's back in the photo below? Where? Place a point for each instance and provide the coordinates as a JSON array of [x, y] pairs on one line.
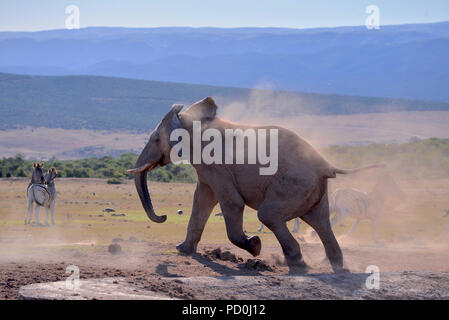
[[297, 153]]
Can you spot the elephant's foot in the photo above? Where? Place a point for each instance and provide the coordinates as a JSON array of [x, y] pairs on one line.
[[340, 270], [186, 248], [297, 264], [337, 265], [254, 245]]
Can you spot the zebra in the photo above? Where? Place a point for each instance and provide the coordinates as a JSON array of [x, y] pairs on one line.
[[50, 182], [361, 205], [41, 190], [37, 179], [296, 226]]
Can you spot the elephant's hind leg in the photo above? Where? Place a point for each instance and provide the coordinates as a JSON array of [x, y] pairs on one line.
[[318, 219], [270, 216]]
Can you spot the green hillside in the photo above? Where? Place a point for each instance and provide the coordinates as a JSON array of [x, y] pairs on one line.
[[105, 103]]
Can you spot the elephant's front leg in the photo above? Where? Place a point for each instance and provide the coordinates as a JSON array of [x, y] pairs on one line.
[[203, 203]]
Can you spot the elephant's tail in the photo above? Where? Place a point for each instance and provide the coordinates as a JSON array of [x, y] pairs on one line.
[[334, 171]]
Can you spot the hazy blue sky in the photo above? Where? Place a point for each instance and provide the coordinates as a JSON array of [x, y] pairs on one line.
[[50, 14]]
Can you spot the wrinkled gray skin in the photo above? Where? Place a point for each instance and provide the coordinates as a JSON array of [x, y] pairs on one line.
[[297, 189]]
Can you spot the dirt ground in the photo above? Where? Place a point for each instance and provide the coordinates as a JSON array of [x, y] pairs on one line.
[[83, 234]]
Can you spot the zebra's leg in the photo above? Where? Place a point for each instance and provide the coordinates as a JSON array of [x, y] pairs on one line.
[[261, 227], [46, 214], [444, 233], [53, 212], [353, 227], [296, 225], [29, 210], [338, 217], [36, 214]]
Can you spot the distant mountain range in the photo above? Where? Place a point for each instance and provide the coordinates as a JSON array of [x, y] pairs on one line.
[[403, 61], [107, 103]]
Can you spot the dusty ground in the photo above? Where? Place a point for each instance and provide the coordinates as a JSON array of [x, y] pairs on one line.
[[30, 254]]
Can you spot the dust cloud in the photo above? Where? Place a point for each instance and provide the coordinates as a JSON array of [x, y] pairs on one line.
[[415, 221]]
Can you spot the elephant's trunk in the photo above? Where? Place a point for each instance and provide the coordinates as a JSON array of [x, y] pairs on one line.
[[140, 180]]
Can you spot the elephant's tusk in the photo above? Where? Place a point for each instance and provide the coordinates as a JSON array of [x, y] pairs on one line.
[[147, 166]]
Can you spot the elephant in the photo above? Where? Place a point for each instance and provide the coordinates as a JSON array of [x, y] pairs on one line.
[[298, 188]]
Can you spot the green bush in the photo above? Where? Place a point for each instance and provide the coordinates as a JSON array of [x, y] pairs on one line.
[[114, 181], [114, 170]]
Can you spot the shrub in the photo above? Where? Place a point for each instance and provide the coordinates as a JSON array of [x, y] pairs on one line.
[[114, 181]]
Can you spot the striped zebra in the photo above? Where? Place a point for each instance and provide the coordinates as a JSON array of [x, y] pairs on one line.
[[41, 192], [361, 205]]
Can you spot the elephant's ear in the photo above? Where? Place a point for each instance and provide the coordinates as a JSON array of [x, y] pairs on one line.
[[171, 120], [205, 108]]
